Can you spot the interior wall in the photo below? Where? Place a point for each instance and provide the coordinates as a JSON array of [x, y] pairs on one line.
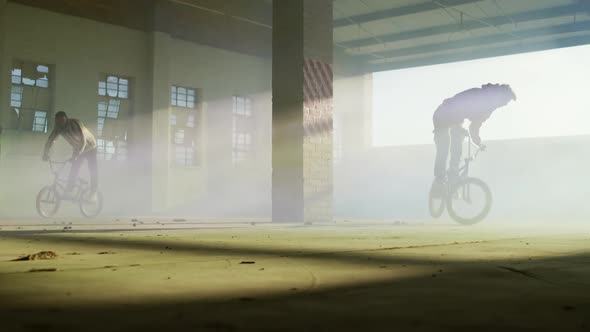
[[80, 50], [532, 180], [232, 190]]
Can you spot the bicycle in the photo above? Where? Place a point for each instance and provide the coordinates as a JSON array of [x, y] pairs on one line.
[[468, 200], [49, 197]]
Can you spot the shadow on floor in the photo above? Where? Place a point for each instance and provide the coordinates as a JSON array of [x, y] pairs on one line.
[[549, 294]]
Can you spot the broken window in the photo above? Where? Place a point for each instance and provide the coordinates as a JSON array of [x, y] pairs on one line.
[[243, 129], [30, 96], [114, 86], [185, 124], [114, 107]]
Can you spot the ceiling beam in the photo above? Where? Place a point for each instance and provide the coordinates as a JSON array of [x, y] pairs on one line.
[[486, 53], [400, 11], [542, 14], [482, 41]]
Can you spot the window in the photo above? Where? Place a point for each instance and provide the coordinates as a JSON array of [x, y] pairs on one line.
[[183, 97], [114, 106], [30, 96], [113, 86], [243, 129], [16, 96], [184, 121], [40, 122]]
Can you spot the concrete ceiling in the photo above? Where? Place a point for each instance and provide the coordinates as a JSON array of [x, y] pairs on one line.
[[369, 35], [385, 34]]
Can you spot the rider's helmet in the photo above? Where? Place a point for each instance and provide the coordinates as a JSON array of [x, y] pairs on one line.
[[503, 88]]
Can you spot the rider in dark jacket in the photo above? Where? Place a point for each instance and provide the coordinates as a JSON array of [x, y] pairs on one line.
[[475, 105]]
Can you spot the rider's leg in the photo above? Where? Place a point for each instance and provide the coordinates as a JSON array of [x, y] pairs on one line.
[[442, 142], [457, 138], [93, 169], [74, 170]]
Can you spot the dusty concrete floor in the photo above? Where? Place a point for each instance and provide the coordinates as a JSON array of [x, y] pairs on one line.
[[238, 277]]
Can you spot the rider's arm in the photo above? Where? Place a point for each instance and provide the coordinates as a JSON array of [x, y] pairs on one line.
[[81, 147], [50, 140], [474, 132]]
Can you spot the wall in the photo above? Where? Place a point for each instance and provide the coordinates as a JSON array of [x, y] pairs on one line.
[[80, 49], [532, 180], [233, 190]]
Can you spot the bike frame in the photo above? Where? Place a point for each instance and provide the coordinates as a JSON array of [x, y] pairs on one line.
[[464, 170], [471, 156], [59, 183]]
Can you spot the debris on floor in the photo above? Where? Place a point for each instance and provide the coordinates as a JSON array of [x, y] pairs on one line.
[[43, 270], [107, 253], [247, 262], [43, 255]]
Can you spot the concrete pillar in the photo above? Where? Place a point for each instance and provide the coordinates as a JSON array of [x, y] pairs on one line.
[[160, 115], [302, 111], [4, 72]]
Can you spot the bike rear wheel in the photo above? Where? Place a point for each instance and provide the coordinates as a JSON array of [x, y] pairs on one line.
[[469, 201], [90, 208], [48, 202], [436, 199]]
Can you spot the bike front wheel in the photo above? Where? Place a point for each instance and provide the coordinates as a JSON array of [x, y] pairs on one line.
[[469, 201], [48, 202], [90, 206]]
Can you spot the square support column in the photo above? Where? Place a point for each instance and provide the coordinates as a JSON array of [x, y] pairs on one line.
[[302, 111], [4, 71]]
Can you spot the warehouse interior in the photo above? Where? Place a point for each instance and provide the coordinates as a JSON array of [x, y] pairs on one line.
[[266, 165]]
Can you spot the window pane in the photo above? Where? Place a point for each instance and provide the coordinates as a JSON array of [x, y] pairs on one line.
[[43, 69], [43, 82], [191, 92], [16, 96], [28, 81]]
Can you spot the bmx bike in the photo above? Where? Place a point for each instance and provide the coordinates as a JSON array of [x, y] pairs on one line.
[[50, 197]]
